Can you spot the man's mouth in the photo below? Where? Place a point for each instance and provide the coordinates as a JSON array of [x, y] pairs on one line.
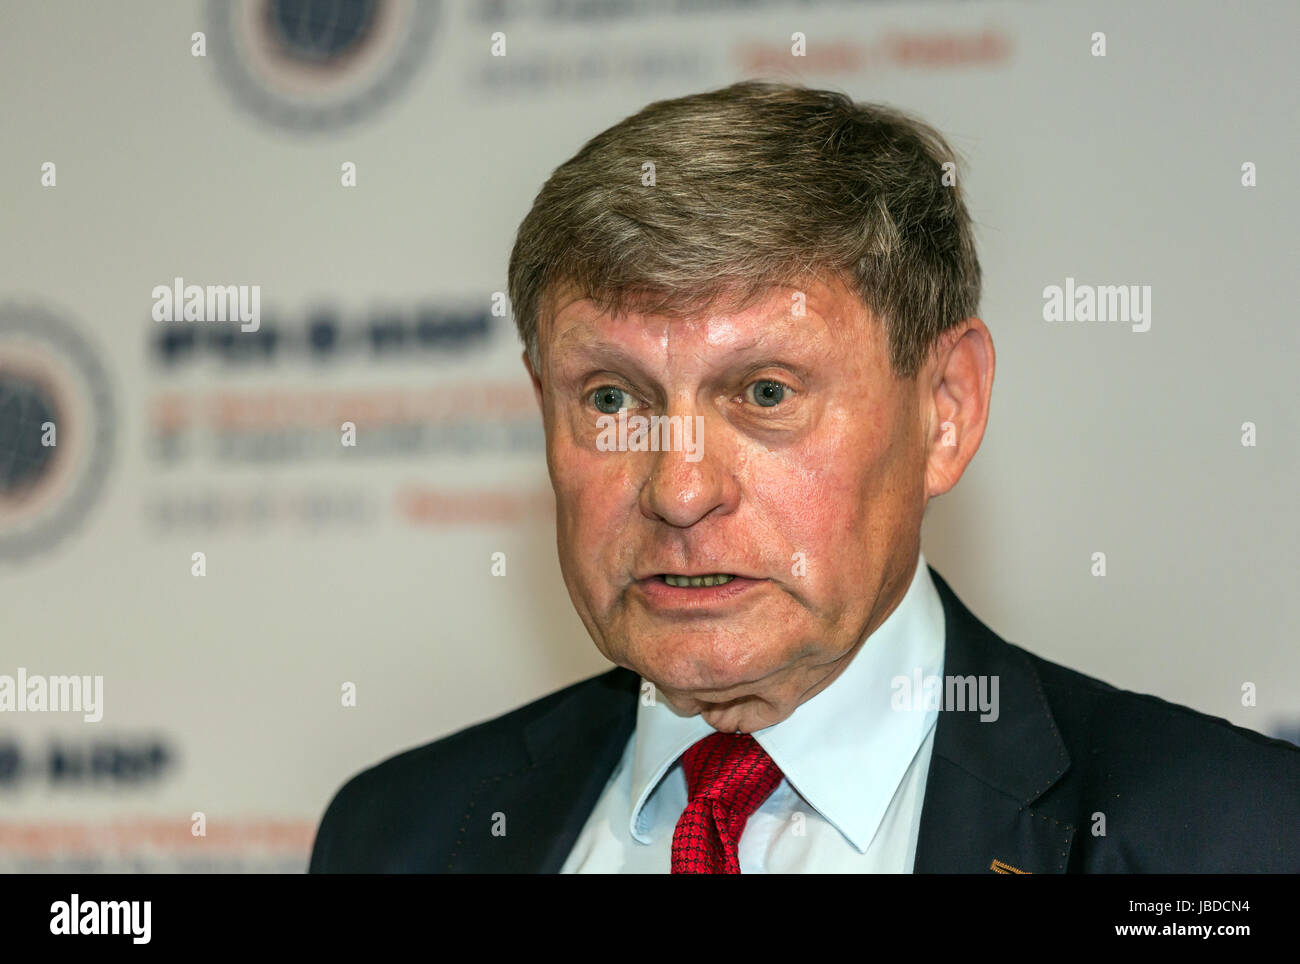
[[697, 582], [711, 594]]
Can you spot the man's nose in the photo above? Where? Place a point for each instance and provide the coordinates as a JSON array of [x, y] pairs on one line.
[[691, 478]]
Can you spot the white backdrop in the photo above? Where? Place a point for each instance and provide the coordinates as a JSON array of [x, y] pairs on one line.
[[328, 565]]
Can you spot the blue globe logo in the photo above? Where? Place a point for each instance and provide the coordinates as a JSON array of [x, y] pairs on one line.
[[51, 378], [318, 31], [313, 65], [25, 407]]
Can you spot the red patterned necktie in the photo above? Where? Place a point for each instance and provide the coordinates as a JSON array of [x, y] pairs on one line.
[[729, 776]]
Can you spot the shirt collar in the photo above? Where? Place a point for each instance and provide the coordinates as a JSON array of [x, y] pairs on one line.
[[845, 750]]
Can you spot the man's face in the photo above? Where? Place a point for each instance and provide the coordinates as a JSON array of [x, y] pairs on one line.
[[808, 485]]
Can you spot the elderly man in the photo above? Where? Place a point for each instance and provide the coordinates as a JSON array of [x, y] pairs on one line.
[[777, 289]]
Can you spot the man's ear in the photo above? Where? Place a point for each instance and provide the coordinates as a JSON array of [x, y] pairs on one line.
[[537, 382], [958, 386]]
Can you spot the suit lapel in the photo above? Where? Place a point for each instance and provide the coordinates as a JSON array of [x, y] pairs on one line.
[[526, 819], [978, 815]]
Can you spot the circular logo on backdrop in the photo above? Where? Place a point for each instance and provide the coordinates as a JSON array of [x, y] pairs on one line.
[[56, 429], [317, 64]]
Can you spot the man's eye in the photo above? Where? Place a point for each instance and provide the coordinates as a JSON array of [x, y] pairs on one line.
[[766, 393], [609, 399]]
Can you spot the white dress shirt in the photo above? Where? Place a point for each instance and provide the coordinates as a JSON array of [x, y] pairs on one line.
[[854, 766]]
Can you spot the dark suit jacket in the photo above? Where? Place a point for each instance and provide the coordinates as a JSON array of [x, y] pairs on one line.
[[1180, 791]]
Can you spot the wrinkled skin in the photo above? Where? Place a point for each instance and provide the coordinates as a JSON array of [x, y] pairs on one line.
[[819, 493]]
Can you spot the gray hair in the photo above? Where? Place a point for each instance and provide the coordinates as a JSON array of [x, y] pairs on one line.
[[756, 185]]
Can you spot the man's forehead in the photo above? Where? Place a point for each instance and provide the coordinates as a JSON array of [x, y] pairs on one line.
[[779, 312]]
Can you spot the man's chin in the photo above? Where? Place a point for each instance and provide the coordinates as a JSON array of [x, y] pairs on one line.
[[743, 713], [695, 687]]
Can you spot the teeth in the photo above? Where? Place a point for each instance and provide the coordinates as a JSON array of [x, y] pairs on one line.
[[683, 582]]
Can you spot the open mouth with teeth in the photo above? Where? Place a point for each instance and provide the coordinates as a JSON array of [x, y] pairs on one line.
[[698, 582]]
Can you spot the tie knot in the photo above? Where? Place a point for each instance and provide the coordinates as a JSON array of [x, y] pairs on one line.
[[731, 769]]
